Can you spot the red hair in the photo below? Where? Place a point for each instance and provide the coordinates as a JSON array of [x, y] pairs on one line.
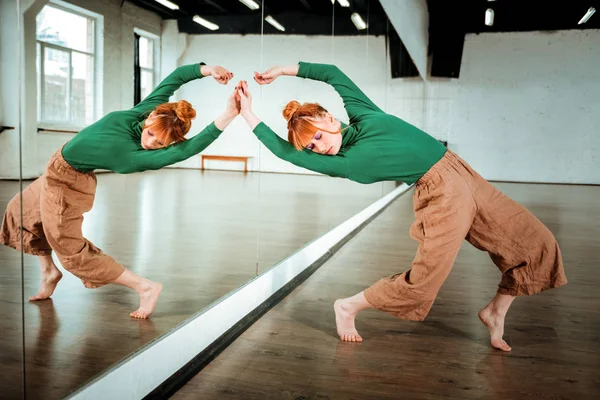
[[299, 116], [172, 121]]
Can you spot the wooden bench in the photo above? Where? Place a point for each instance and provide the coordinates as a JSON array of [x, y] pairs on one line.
[[243, 159]]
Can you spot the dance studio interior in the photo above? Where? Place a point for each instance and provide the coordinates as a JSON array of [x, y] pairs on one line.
[[253, 250]]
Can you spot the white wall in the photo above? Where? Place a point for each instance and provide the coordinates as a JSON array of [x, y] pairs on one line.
[[530, 106], [524, 109], [116, 76]]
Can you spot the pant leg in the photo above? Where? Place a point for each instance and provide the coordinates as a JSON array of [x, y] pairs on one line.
[[444, 210], [34, 240], [521, 246], [66, 195]]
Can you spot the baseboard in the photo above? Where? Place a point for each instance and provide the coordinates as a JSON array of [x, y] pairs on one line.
[[163, 366]]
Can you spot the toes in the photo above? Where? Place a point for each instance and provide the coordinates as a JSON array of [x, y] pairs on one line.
[[350, 337], [139, 314]]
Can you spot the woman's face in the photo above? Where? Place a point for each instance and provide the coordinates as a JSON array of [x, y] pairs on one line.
[[149, 140], [325, 142]]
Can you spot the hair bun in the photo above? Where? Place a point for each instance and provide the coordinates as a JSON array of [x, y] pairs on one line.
[[290, 109], [185, 111]]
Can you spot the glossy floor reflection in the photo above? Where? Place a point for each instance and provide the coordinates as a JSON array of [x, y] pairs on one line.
[[293, 352], [201, 234]]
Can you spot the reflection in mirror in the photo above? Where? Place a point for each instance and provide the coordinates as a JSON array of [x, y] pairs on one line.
[[122, 223], [12, 376]]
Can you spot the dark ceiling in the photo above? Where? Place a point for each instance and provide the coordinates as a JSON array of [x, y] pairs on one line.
[[449, 21], [320, 17], [299, 17], [511, 15]]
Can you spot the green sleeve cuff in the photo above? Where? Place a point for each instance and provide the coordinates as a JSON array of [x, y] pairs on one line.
[[303, 69], [197, 70], [213, 130], [260, 128]]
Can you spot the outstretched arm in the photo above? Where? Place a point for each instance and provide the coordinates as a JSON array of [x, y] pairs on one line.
[[336, 166], [355, 101], [176, 79], [156, 159]]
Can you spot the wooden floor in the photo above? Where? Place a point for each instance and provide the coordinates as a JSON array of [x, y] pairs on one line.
[[293, 352], [200, 234]]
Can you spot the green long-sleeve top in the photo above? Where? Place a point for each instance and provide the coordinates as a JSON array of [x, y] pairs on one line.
[[376, 146], [114, 142]]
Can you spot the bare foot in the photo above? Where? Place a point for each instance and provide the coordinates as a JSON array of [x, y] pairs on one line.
[[344, 320], [495, 324], [148, 297], [48, 284]]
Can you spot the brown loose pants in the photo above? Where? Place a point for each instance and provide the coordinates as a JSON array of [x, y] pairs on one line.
[[53, 208], [453, 203]]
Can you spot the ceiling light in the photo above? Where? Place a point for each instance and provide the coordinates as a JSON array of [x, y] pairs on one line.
[[276, 24], [587, 16], [489, 17], [251, 4], [344, 3], [358, 21], [205, 23], [169, 4]]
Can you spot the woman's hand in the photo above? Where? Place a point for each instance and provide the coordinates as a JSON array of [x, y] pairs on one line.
[[268, 76], [220, 74], [246, 105], [233, 104], [245, 98], [273, 73]]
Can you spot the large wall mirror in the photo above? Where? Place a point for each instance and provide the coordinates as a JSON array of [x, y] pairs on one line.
[[111, 217]]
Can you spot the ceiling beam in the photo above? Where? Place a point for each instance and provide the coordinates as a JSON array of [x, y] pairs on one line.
[[306, 5], [215, 5]]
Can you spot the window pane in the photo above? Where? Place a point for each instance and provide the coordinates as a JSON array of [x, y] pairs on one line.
[[56, 75], [147, 83], [82, 97], [64, 29], [146, 52]]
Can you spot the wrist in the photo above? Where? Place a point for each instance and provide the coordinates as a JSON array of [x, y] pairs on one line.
[[230, 115], [206, 70]]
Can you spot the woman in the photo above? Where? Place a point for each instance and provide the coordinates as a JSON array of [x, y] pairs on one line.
[[451, 202], [149, 136]]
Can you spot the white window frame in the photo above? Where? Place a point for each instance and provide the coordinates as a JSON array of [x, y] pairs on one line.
[[96, 56], [155, 56]]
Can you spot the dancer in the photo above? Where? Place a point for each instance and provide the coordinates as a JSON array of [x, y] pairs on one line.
[[149, 136], [452, 202]]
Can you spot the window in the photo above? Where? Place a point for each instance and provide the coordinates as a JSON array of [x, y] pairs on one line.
[[145, 62], [65, 67]]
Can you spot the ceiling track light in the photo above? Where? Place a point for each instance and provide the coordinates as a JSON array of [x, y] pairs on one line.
[[358, 21], [276, 24], [168, 4], [587, 16], [489, 17], [344, 3], [251, 4], [205, 23]]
